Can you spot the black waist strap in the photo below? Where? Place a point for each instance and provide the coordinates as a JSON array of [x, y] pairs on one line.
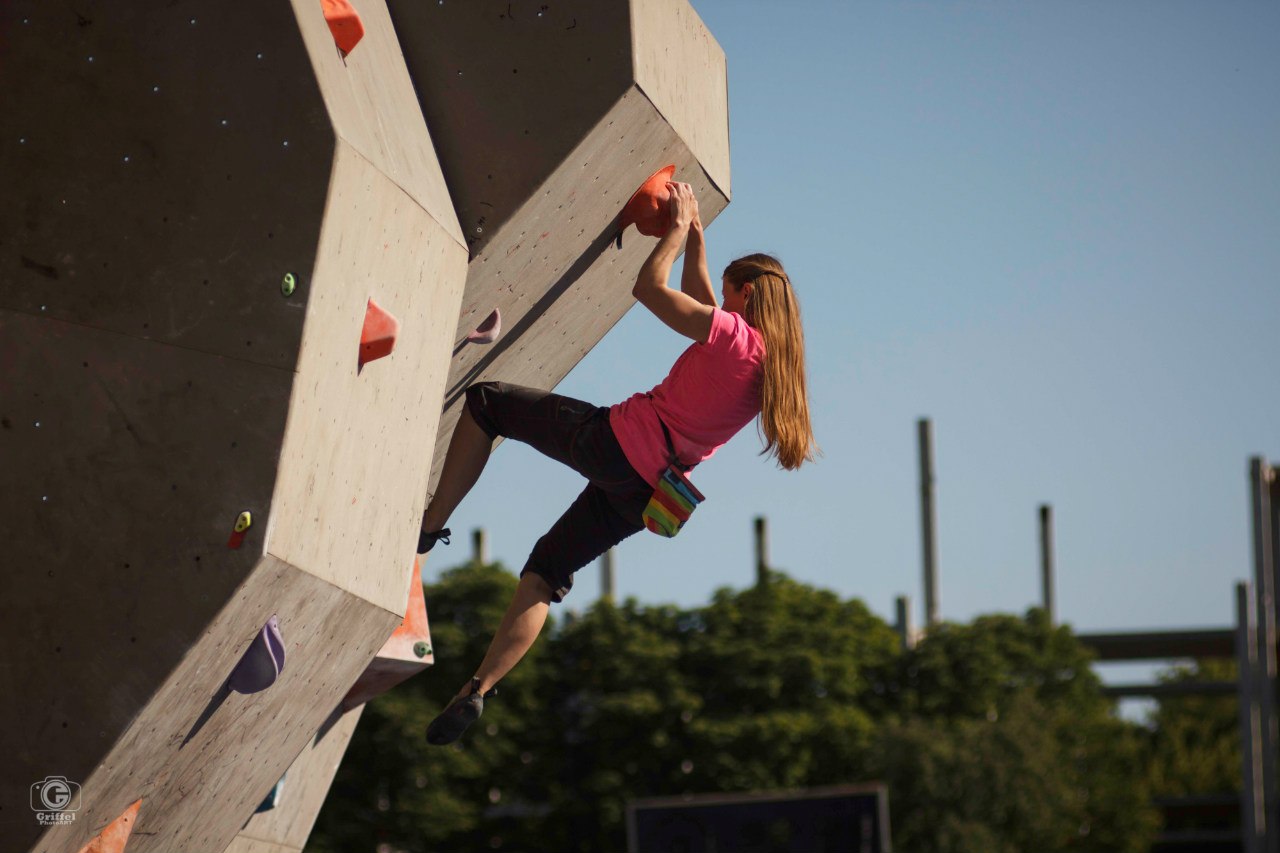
[[671, 450]]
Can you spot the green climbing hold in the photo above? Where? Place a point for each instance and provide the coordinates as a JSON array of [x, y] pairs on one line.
[[421, 649], [289, 284]]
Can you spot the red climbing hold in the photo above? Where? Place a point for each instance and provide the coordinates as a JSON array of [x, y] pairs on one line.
[[406, 652], [648, 209], [344, 23], [115, 835], [378, 338]]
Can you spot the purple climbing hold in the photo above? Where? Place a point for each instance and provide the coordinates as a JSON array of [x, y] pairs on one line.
[[262, 662], [488, 331]]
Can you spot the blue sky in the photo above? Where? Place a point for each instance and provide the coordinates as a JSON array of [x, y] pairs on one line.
[[1053, 228]]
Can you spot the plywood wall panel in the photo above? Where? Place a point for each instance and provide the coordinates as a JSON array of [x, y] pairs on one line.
[[373, 107], [125, 464], [681, 68], [355, 459], [202, 758], [168, 169], [305, 787]]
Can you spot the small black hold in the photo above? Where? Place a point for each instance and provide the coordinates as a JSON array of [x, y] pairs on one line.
[[86, 364], [57, 648], [233, 445], [6, 423], [173, 487], [133, 639]]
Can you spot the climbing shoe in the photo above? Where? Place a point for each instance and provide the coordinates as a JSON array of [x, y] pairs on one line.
[[461, 713], [426, 541]]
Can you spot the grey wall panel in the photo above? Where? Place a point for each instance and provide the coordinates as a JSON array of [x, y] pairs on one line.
[[305, 788], [544, 131], [126, 463], [202, 758], [508, 90], [165, 166]]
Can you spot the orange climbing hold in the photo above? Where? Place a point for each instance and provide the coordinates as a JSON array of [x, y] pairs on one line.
[[115, 836], [406, 652], [378, 338], [344, 23], [648, 209]]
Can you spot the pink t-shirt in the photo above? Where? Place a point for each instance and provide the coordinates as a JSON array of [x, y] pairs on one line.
[[712, 391]]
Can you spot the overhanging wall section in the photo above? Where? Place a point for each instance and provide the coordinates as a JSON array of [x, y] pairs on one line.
[[546, 124]]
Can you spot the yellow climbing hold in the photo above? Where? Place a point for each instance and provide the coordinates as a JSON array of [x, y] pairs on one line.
[[243, 522]]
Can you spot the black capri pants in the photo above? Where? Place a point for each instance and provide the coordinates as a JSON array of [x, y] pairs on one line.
[[578, 434]]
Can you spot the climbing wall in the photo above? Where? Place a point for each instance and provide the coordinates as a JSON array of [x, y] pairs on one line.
[[242, 289], [283, 822], [201, 201], [547, 117]]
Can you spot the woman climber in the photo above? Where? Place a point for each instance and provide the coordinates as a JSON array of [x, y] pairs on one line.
[[747, 359]]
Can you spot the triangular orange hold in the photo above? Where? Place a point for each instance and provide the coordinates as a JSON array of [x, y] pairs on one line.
[[116, 835], [406, 652], [648, 209], [378, 338], [344, 23]]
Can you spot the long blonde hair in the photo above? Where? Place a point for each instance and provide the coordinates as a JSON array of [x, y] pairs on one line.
[[772, 310]]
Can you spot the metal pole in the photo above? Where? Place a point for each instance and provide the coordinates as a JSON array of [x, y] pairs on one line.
[[1260, 476], [479, 546], [1253, 819], [762, 551], [1273, 745], [607, 575], [1046, 561], [904, 627], [928, 523]]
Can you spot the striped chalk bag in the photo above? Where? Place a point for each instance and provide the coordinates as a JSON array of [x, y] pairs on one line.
[[675, 498]]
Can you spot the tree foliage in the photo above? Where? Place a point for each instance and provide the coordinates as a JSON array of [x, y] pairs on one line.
[[1195, 740], [990, 736]]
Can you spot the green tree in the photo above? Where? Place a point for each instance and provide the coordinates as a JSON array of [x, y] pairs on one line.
[[1195, 740], [760, 689], [991, 736], [392, 787], [1002, 740]]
